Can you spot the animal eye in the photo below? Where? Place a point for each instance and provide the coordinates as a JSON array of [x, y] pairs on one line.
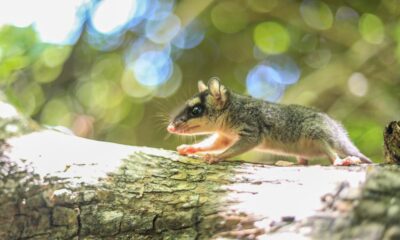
[[197, 110]]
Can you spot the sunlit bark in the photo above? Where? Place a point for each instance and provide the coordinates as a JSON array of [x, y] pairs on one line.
[[59, 186]]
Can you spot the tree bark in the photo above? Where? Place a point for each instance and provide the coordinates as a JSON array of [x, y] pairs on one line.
[[391, 139], [59, 186]]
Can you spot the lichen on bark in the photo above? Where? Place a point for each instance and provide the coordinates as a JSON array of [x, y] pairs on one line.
[[58, 186], [148, 196], [372, 212], [149, 193]]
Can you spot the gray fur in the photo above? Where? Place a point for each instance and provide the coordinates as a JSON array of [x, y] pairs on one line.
[[287, 129], [286, 124]]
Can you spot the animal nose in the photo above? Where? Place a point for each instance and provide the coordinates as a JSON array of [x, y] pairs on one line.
[[171, 128]]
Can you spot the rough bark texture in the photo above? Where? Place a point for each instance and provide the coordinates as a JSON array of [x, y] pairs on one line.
[[150, 194], [147, 197], [391, 138], [58, 186], [373, 212]]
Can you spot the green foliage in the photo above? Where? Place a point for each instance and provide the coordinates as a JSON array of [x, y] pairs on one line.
[[347, 52]]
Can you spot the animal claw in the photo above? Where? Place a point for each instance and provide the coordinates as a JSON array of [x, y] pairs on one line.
[[210, 158], [348, 161], [186, 149]]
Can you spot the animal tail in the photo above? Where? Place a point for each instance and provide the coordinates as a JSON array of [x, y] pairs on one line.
[[348, 149], [363, 158], [342, 143], [345, 146]]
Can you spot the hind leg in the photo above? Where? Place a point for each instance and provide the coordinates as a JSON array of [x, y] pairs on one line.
[[350, 160], [302, 161], [336, 160], [355, 158]]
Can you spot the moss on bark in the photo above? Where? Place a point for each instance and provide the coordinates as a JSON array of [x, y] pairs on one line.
[[57, 186]]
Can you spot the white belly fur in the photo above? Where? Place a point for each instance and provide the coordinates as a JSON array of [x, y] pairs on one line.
[[303, 148]]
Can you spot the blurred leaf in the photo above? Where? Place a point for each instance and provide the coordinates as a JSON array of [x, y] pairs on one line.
[[371, 28], [271, 37]]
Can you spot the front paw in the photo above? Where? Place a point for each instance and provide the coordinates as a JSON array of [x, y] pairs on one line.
[[187, 149], [210, 158]]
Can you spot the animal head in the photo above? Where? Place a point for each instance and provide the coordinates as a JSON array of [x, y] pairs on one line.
[[201, 113]]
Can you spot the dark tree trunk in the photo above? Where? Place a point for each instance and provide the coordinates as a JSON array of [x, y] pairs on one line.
[[392, 142]]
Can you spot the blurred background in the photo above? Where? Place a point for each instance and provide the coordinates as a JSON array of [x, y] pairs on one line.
[[114, 70]]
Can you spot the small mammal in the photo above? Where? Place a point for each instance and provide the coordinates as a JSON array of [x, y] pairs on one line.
[[241, 123]]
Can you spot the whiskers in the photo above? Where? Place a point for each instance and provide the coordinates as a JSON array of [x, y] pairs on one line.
[[163, 117], [185, 139], [166, 109], [167, 135]]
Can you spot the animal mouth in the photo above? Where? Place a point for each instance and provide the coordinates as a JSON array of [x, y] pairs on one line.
[[190, 128], [181, 129]]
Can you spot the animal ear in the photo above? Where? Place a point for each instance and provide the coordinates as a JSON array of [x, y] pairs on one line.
[[202, 87], [218, 91]]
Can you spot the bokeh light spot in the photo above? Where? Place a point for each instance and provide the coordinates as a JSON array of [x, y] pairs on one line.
[[104, 17], [32, 97], [9, 10], [109, 67], [133, 88], [358, 84], [287, 69], [82, 125], [56, 22], [163, 30], [264, 82], [171, 85], [346, 14], [371, 28], [229, 17], [316, 14], [104, 42], [99, 95], [114, 97], [271, 38], [118, 113], [158, 10], [65, 24], [56, 112], [142, 45], [45, 74], [13, 63], [190, 36], [152, 68], [56, 55]]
